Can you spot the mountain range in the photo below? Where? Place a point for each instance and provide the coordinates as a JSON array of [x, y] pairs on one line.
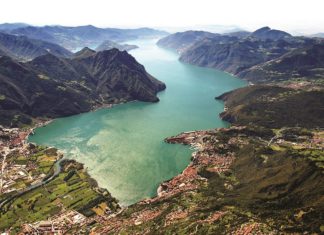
[[75, 37], [246, 54], [11, 26], [320, 35]]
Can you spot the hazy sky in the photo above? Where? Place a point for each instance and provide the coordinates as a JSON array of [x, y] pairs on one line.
[[291, 15]]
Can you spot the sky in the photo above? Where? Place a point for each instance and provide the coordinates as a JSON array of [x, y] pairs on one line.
[[304, 16]]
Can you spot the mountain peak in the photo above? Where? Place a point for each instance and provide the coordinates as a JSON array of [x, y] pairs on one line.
[[110, 53], [85, 52], [107, 56], [266, 32], [263, 29]]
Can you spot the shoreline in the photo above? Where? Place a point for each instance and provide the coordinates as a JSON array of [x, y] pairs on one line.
[[109, 106], [159, 193]]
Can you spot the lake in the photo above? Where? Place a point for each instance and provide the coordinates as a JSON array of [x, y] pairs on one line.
[[122, 147]]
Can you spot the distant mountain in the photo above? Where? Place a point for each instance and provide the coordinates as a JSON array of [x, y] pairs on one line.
[[107, 45], [221, 29], [320, 35], [268, 33], [51, 86], [307, 62], [23, 48], [11, 26], [239, 34], [82, 36], [143, 32], [183, 40]]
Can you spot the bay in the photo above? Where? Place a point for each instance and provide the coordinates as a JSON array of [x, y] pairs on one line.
[[122, 147]]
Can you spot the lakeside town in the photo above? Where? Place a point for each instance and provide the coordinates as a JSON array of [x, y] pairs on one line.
[[18, 170], [38, 179]]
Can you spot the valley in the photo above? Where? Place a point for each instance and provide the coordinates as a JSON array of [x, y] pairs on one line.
[[180, 146]]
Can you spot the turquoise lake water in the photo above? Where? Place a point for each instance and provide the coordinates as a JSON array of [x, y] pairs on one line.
[[123, 147]]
